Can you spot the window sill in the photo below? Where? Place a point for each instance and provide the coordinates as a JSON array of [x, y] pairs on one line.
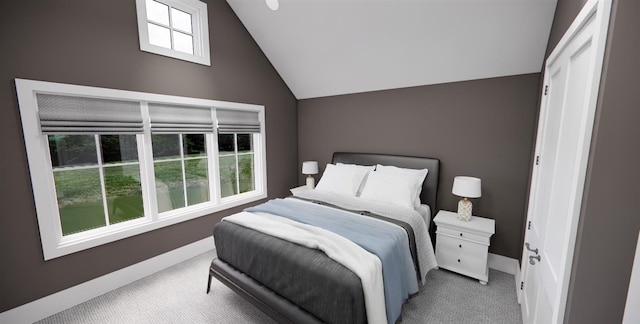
[[205, 59], [85, 240]]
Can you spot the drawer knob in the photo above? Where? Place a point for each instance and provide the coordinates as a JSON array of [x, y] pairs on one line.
[[460, 246], [458, 260], [460, 234]]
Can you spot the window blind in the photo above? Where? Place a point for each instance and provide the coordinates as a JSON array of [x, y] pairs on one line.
[[237, 121], [172, 119], [61, 114]]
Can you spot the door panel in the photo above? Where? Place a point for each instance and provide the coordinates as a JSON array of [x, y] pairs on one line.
[[566, 164], [572, 77]]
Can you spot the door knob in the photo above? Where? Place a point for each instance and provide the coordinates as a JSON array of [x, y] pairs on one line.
[[531, 258], [530, 249]]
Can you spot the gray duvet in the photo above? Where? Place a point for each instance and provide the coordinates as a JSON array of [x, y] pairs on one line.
[[306, 277]]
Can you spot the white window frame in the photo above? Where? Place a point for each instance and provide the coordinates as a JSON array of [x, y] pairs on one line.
[[200, 31], [53, 243]]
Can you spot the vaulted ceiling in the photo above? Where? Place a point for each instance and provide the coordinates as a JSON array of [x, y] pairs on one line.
[[332, 47]]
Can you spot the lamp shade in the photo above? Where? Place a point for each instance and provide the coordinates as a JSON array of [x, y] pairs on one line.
[[468, 187], [310, 167]]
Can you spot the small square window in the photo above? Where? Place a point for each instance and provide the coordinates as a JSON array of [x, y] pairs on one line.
[[174, 28]]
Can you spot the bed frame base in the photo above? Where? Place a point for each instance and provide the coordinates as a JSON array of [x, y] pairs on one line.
[[275, 306]]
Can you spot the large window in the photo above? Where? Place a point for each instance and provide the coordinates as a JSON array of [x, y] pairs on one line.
[[107, 164], [174, 28]]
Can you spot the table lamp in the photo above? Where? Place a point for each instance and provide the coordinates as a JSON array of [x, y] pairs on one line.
[[466, 187], [310, 168]]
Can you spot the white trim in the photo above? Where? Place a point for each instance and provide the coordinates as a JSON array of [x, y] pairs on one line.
[[503, 263], [53, 244], [57, 302], [518, 277], [200, 31]]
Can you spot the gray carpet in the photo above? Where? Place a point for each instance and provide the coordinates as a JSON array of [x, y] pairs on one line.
[[177, 295]]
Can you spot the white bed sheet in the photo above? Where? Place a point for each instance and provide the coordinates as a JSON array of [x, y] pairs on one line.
[[425, 212]]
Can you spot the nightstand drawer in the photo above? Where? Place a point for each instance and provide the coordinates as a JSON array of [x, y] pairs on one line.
[[463, 235], [447, 259], [463, 247]]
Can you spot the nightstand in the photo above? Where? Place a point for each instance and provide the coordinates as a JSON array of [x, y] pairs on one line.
[[463, 247]]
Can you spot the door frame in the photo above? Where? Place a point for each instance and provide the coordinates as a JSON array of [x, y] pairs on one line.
[[601, 9]]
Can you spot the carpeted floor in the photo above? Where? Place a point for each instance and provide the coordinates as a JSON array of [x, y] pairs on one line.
[[177, 295]]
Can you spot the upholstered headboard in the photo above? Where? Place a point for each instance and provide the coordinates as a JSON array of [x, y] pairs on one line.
[[430, 185]]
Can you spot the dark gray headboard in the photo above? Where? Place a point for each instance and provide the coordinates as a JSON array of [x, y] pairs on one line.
[[430, 185]]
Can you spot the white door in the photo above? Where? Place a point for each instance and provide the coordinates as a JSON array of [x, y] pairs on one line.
[[572, 77]]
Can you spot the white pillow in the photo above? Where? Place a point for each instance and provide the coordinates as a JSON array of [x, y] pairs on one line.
[[341, 180], [389, 188], [365, 168], [417, 175]]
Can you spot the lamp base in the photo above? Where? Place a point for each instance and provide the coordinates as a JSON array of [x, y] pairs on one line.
[[464, 209], [311, 182]]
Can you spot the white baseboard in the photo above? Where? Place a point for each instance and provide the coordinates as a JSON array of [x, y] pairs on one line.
[[518, 280], [57, 302], [503, 263]]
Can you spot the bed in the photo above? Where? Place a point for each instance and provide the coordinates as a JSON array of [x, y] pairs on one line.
[[293, 283]]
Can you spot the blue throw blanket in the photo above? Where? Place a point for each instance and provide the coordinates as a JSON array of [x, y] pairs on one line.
[[387, 241]]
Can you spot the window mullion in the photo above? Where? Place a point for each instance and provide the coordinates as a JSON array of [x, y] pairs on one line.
[[195, 33], [235, 147], [102, 180], [258, 168], [214, 161], [213, 168], [145, 153], [184, 170], [158, 24], [171, 37]]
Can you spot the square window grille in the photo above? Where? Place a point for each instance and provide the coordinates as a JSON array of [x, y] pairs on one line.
[[174, 28]]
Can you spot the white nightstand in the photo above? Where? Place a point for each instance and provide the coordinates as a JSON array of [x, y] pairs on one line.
[[463, 247], [299, 189]]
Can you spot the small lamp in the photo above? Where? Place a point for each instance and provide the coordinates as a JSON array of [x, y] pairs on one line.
[[466, 187], [310, 168]]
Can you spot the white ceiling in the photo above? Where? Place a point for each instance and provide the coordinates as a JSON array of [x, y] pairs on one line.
[[332, 47]]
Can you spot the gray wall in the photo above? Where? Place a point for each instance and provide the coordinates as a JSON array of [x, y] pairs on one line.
[[95, 43], [609, 223], [482, 128]]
